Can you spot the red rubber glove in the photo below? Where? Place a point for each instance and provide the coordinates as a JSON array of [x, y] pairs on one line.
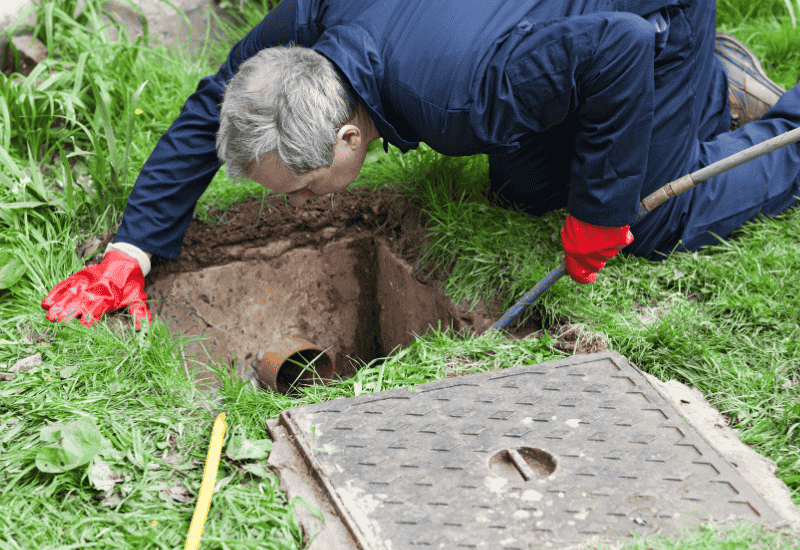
[[588, 247], [111, 285]]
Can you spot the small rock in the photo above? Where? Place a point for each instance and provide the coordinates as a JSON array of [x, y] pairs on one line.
[[32, 48]]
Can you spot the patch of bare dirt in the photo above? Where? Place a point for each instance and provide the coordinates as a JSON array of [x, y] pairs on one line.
[[249, 225]]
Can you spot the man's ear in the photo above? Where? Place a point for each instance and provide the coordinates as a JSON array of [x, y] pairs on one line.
[[344, 129]]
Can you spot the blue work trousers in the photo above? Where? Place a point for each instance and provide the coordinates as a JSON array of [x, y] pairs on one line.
[[690, 131]]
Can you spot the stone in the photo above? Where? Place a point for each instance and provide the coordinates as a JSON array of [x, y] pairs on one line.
[[24, 54], [33, 49], [166, 26]]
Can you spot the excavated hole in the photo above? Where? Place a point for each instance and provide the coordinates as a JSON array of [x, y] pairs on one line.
[[327, 295], [337, 279]]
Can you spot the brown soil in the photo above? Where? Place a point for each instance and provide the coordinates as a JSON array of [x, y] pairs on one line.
[[249, 225]]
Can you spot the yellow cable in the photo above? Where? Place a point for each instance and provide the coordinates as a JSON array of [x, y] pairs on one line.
[[207, 487]]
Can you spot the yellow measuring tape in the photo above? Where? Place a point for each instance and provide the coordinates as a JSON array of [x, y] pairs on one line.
[[207, 487]]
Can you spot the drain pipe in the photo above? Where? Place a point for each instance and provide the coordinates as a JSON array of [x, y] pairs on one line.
[[288, 363]]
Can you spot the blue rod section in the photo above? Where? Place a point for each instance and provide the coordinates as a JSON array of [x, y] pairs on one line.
[[531, 296]]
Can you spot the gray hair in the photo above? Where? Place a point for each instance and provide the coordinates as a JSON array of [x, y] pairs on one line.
[[284, 98]]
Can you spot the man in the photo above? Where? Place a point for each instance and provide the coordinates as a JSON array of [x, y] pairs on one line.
[[575, 105]]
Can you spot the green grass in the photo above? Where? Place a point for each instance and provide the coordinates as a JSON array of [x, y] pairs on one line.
[[67, 163]]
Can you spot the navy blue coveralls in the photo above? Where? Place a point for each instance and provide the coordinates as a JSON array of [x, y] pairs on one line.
[[586, 104]]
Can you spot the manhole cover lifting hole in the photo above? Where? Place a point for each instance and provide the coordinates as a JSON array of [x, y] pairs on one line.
[[524, 463], [584, 483]]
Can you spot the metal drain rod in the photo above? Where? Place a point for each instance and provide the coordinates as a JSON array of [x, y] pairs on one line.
[[652, 201]]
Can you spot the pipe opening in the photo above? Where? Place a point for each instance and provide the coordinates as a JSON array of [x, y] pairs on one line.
[[304, 368]]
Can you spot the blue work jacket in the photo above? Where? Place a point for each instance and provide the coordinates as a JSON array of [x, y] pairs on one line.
[[464, 77]]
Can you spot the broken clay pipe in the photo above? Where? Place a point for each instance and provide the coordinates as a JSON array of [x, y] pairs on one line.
[[290, 362]]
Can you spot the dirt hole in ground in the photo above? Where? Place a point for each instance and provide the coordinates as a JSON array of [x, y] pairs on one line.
[[343, 278], [340, 277]]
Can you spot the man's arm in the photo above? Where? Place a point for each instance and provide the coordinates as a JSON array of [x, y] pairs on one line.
[[616, 118], [599, 65], [184, 161]]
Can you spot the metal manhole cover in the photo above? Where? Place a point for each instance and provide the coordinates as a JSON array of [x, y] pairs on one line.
[[546, 455]]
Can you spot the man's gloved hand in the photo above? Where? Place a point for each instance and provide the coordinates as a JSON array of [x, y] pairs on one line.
[[116, 282], [588, 247]]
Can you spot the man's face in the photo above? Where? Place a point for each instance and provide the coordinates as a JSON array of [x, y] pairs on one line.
[[349, 155]]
